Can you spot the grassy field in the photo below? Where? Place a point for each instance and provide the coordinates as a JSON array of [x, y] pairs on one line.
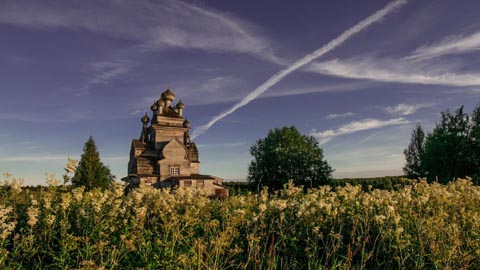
[[414, 226]]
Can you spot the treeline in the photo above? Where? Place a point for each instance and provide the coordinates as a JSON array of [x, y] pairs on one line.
[[33, 192], [450, 151], [386, 183], [242, 187]]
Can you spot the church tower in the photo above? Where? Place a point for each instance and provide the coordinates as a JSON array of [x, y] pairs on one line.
[[164, 156]]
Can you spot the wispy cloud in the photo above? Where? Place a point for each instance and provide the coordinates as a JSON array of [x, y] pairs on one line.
[[154, 24], [277, 77], [455, 44], [396, 70], [318, 87], [212, 85], [352, 127], [208, 90], [382, 149], [368, 138], [105, 71], [217, 89], [339, 115], [226, 89], [151, 25], [407, 109], [234, 34]]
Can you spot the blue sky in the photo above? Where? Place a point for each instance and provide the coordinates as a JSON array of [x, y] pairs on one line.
[[71, 69]]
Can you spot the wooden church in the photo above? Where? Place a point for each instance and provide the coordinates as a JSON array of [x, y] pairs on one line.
[[164, 156]]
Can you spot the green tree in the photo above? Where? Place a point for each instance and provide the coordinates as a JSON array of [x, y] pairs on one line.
[[448, 149], [475, 138], [286, 154], [91, 173], [414, 153]]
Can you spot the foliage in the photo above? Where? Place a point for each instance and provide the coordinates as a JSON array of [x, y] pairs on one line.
[[91, 173], [286, 154], [450, 150], [419, 226], [386, 182], [414, 153], [475, 139]]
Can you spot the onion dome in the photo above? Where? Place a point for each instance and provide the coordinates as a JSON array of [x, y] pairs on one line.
[[168, 95], [154, 107], [145, 119], [186, 123], [180, 105]]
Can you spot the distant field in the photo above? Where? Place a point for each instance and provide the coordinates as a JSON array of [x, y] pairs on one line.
[[417, 226]]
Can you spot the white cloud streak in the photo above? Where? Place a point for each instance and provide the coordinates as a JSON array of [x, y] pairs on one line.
[[457, 44], [368, 138], [352, 127], [151, 25], [407, 109], [105, 71], [108, 70], [317, 87], [154, 24], [375, 17], [339, 115], [395, 70]]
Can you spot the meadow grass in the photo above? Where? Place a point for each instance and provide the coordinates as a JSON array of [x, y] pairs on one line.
[[418, 226]]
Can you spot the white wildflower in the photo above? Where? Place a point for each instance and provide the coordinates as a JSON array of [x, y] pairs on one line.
[[262, 207], [66, 199], [6, 226], [51, 179], [280, 204], [32, 213], [71, 165], [16, 185]]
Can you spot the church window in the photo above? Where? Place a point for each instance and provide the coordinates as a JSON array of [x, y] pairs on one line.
[[187, 183], [200, 183], [174, 170]]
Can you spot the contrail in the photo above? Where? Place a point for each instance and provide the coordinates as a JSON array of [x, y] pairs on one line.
[[277, 77]]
